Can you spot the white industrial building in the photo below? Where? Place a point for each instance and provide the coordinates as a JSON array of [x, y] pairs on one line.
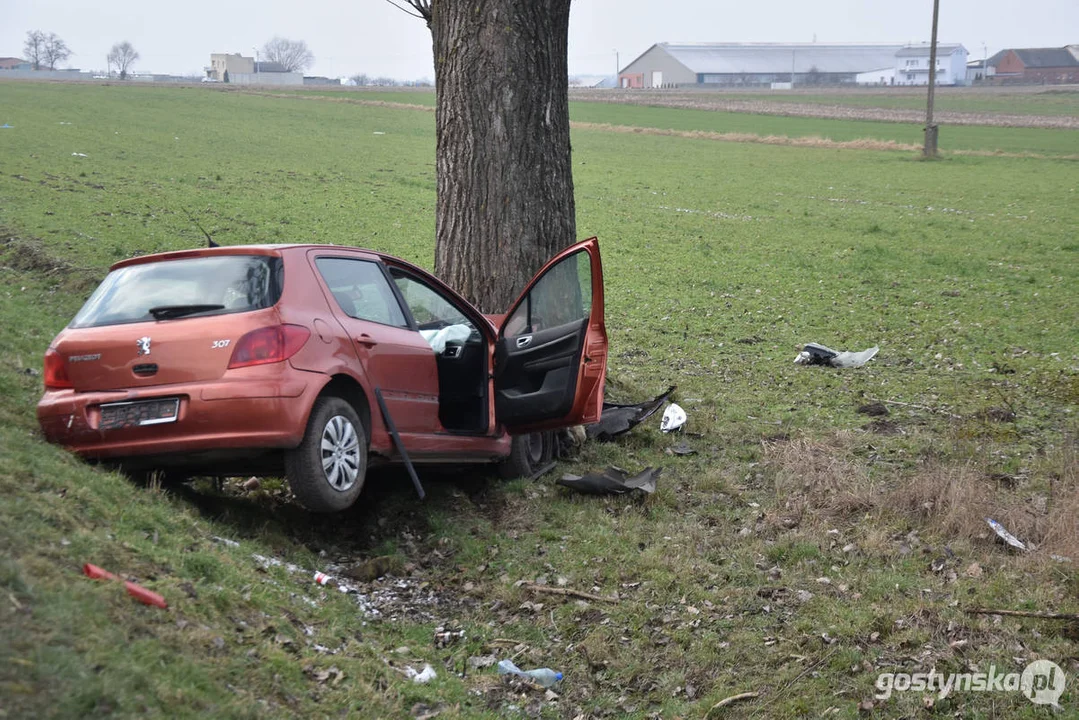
[[781, 64], [753, 64]]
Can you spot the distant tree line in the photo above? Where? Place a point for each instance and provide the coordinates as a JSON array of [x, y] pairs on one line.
[[365, 80], [45, 50]]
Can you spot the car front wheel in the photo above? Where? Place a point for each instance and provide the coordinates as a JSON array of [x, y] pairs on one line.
[[528, 453], [326, 472]]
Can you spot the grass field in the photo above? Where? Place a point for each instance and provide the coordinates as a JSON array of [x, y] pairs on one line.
[[1010, 100], [804, 549], [964, 138], [1021, 101]]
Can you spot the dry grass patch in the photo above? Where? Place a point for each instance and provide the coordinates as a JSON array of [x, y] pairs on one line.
[[823, 478]]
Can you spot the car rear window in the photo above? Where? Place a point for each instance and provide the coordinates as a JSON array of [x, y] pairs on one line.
[[237, 283]]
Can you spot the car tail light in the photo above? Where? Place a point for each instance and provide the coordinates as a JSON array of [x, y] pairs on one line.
[[56, 371], [273, 344]]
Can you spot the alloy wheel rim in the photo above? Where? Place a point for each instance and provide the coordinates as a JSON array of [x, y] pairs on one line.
[[340, 453], [535, 448]]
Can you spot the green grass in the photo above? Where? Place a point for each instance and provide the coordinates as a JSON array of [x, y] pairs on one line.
[[720, 260], [1052, 102], [952, 137]]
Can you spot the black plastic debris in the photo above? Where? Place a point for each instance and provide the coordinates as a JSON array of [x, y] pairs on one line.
[[613, 481], [814, 354], [682, 448], [618, 419]]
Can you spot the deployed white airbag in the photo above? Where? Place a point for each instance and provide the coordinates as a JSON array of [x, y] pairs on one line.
[[438, 339]]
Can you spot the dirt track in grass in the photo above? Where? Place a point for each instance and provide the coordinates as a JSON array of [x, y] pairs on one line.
[[705, 101]]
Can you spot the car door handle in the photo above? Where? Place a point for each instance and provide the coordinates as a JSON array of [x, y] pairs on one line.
[[524, 341], [367, 340]]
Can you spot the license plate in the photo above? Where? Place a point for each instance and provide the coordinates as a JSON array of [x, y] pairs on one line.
[[139, 412]]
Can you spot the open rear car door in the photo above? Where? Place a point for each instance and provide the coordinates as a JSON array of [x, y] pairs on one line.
[[551, 353]]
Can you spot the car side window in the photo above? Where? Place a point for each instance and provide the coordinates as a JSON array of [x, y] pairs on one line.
[[562, 295], [430, 309], [361, 290]]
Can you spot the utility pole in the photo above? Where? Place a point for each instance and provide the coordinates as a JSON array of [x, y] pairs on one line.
[[930, 149], [617, 70]]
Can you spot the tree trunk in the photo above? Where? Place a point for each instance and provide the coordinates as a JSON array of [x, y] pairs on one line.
[[505, 184]]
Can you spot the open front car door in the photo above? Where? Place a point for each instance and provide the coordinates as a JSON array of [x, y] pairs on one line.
[[551, 356]]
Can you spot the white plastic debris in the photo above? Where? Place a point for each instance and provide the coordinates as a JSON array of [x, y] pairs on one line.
[[78, 154], [815, 354], [674, 417], [423, 677], [1005, 535]]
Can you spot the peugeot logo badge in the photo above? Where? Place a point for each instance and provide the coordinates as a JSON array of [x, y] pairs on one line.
[[144, 345]]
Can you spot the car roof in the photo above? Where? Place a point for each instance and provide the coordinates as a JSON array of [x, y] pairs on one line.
[[273, 250]]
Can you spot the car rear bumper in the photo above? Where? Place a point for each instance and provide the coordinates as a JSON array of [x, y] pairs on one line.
[[260, 408]]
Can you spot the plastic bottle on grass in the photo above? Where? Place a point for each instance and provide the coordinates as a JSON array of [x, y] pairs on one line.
[[545, 677]]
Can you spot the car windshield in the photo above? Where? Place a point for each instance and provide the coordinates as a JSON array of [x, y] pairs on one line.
[[191, 287]]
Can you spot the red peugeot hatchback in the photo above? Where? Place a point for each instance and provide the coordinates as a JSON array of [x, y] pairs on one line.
[[265, 358]]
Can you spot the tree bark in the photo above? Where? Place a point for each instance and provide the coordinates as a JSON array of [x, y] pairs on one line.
[[505, 184]]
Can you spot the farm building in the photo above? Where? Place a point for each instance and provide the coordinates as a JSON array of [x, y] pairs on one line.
[[241, 70], [753, 64], [10, 63], [912, 65], [1050, 66]]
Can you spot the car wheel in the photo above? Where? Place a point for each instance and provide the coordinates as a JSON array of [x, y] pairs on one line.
[[528, 453], [326, 472]]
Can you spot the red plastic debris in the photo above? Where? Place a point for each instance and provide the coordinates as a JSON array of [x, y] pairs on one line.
[[144, 596]]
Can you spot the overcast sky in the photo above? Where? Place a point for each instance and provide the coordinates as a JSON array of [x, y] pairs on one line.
[[372, 37]]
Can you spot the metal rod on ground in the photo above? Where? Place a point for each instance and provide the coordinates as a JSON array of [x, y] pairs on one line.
[[397, 441], [930, 149], [1073, 617]]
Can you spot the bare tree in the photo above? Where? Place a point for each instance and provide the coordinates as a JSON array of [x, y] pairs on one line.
[[360, 79], [53, 51], [123, 56], [293, 55], [505, 183], [34, 48]]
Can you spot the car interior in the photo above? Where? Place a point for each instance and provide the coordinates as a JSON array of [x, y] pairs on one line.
[[462, 359]]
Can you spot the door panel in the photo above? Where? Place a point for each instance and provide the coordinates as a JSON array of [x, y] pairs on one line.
[[551, 353], [537, 381], [394, 357]]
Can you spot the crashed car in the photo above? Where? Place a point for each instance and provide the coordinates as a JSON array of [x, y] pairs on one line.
[[263, 358]]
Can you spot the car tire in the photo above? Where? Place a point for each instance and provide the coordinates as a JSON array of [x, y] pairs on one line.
[[528, 453], [327, 470]]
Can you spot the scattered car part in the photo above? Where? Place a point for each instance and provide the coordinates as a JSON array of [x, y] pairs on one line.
[[144, 596], [815, 354], [398, 442], [1006, 536], [618, 419], [682, 448], [674, 418], [612, 481]]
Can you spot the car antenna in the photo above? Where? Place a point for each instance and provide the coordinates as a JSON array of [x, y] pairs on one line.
[[209, 240]]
